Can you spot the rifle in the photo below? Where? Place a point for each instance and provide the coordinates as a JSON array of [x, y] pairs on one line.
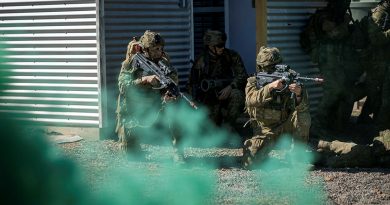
[[208, 84], [162, 71], [284, 73]]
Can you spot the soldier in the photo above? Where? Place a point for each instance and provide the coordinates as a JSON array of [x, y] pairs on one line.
[[349, 154], [378, 71], [217, 79], [138, 103], [273, 113], [332, 41]]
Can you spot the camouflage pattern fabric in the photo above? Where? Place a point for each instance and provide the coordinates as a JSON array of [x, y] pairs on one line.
[[330, 42], [138, 105], [151, 39], [273, 114], [213, 37], [378, 67], [228, 65], [349, 154], [267, 57]]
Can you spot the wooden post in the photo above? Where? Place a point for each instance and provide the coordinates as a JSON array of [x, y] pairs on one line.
[[261, 23]]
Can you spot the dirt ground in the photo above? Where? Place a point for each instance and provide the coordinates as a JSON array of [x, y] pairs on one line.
[[234, 184]]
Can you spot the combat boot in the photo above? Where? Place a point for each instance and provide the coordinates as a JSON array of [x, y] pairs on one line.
[[255, 151]]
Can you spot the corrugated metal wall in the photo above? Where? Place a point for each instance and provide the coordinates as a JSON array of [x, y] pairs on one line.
[[125, 19], [208, 14], [49, 73], [285, 21]]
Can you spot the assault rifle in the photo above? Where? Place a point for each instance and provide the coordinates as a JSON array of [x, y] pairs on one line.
[[162, 71], [284, 73], [208, 84]]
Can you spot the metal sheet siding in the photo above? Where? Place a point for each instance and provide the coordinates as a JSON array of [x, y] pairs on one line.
[[125, 19], [285, 20], [49, 71]]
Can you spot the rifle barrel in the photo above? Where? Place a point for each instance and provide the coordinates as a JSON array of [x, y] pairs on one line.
[[320, 80]]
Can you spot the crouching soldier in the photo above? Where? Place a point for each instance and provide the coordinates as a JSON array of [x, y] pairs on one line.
[[139, 104], [273, 112]]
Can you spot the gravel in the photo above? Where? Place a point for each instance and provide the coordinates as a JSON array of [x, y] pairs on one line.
[[235, 185]]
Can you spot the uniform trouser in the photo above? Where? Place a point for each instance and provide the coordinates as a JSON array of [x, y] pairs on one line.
[[337, 101], [341, 70], [258, 147], [377, 102], [130, 133], [227, 111], [349, 154], [345, 154], [383, 116]]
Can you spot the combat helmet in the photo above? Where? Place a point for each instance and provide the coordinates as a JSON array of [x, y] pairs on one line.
[[213, 38], [267, 57], [151, 39]]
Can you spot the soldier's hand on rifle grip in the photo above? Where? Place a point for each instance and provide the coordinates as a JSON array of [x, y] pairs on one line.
[[224, 93], [150, 79], [296, 89], [168, 97], [277, 84]]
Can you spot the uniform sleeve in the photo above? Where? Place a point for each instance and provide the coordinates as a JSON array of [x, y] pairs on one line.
[[303, 106], [127, 78], [256, 97], [240, 74]]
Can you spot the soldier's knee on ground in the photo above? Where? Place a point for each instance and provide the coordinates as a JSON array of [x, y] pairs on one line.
[[255, 150]]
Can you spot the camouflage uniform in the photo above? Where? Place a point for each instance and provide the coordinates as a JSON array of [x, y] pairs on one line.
[[330, 39], [227, 66], [349, 154], [138, 104], [272, 113], [378, 72]]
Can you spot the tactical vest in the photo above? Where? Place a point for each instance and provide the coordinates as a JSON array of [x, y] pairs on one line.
[[219, 66], [274, 112]]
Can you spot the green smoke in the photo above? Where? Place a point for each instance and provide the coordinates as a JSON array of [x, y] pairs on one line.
[[163, 186], [286, 179]]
